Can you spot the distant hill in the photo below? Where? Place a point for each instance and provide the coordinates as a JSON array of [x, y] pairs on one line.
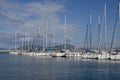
[[60, 47], [57, 47]]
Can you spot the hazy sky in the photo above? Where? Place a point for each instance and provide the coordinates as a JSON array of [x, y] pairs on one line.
[[26, 16]]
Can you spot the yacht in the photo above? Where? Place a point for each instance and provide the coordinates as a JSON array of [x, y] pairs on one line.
[[58, 54], [104, 55]]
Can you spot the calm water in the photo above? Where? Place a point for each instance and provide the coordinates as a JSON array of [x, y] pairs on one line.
[[16, 67]]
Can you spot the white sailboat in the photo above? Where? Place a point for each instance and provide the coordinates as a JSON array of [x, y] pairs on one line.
[[88, 54], [27, 51], [58, 54], [15, 51], [104, 55], [115, 55], [61, 53], [44, 46]]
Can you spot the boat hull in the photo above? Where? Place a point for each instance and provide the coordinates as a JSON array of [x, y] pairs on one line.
[[58, 55], [104, 56], [115, 57]]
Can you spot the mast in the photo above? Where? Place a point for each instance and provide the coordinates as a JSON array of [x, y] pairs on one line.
[[99, 38], [15, 40], [86, 39], [105, 26], [65, 34], [28, 42], [119, 13], [53, 39], [43, 45], [90, 27], [118, 10], [24, 42], [38, 45], [40, 33], [46, 34]]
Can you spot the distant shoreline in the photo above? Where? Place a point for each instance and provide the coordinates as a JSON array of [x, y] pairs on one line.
[[1, 51]]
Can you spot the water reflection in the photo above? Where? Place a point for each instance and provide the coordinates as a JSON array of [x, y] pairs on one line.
[[48, 68]]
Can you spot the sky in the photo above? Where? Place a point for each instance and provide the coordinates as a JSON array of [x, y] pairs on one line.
[[28, 16]]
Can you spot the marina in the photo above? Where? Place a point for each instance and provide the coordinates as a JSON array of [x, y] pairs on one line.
[[100, 54], [59, 40]]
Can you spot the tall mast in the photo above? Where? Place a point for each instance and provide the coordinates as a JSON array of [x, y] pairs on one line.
[[46, 34], [39, 36], [28, 42], [86, 39], [53, 39], [65, 35], [99, 37], [15, 40], [22, 43], [90, 25], [43, 45], [119, 17], [25, 42], [117, 13], [105, 26]]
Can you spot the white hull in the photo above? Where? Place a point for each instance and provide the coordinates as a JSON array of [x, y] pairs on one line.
[[104, 56], [89, 56], [115, 57], [36, 53], [14, 52], [58, 54], [73, 54], [76, 54], [28, 53], [42, 54]]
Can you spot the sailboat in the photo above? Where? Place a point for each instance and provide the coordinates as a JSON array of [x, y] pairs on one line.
[[104, 54], [15, 51], [43, 52], [115, 54], [61, 53], [88, 53], [25, 50]]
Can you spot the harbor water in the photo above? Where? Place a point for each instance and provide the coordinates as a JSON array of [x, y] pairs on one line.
[[21, 67]]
